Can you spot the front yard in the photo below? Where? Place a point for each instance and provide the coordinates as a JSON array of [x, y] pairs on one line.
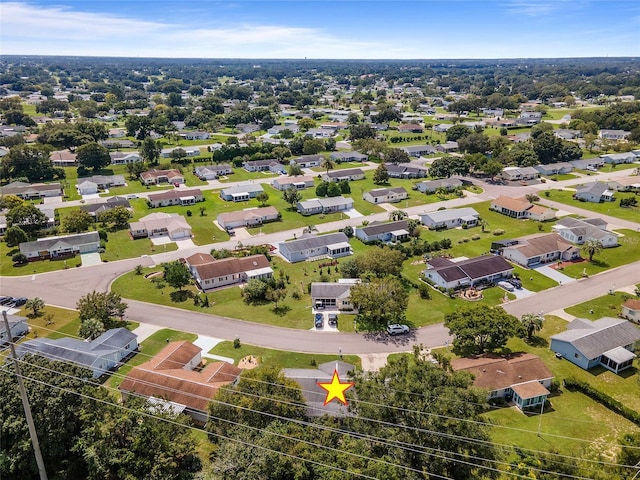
[[613, 209]]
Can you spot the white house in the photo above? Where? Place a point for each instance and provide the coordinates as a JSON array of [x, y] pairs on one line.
[[175, 197], [160, 224], [248, 218], [617, 158], [521, 208], [386, 195], [324, 205], [308, 161], [333, 295], [351, 156], [241, 193], [596, 192], [631, 310], [455, 217], [383, 231], [430, 186], [349, 174], [299, 182], [580, 231], [308, 247], [448, 274], [613, 134], [512, 174], [212, 172], [123, 158], [87, 187], [554, 168], [540, 249], [210, 273], [61, 246]]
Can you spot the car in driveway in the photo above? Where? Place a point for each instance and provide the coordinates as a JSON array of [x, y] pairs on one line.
[[506, 286], [397, 329], [332, 320], [19, 302], [319, 320], [515, 282]]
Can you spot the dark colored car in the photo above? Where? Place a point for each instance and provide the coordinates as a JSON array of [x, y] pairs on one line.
[[6, 300], [319, 320], [18, 302], [515, 282]]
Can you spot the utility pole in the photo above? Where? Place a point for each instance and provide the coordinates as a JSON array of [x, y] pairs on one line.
[[25, 402]]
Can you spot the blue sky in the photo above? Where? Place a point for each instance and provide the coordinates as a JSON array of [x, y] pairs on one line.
[[322, 29]]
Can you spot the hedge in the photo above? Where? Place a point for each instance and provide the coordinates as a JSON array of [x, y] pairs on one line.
[[602, 398]]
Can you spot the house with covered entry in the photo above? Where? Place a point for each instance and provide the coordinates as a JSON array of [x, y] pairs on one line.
[[188, 152], [587, 163], [212, 172], [155, 177], [175, 380], [307, 247], [63, 158], [419, 150], [351, 156], [349, 174], [160, 224], [452, 218], [32, 191], [606, 134], [430, 186], [410, 128], [105, 181], [96, 209], [405, 170], [521, 378], [468, 272], [333, 295], [298, 182], [539, 249], [618, 158], [314, 206], [521, 208], [447, 147], [607, 342], [308, 161], [512, 174], [580, 231], [269, 165], [386, 195], [241, 193], [98, 355], [383, 231], [175, 197], [61, 246], [596, 192], [250, 217], [210, 273], [558, 168]]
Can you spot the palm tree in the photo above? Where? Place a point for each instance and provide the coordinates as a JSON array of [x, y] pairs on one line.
[[483, 224], [310, 228], [397, 215], [35, 304], [592, 247], [532, 323], [328, 164]]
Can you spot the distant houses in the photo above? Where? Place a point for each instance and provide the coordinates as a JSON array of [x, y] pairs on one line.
[[308, 247], [405, 170], [618, 158]]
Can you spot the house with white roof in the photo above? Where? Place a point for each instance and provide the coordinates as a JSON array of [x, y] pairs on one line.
[[308, 247], [452, 218], [241, 193], [386, 195], [349, 174], [210, 273], [160, 224], [248, 218], [299, 182], [383, 231], [617, 158], [324, 205], [512, 174]]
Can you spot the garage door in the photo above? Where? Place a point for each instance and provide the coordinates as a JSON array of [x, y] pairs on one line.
[[180, 234]]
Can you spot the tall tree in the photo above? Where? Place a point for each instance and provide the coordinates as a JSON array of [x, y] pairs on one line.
[[396, 215], [14, 236], [28, 217], [532, 323], [295, 170], [35, 304], [93, 156], [381, 175], [292, 196], [176, 274], [116, 218], [327, 164], [379, 302], [262, 198], [592, 247], [30, 161], [76, 221], [380, 262], [101, 305], [150, 151]]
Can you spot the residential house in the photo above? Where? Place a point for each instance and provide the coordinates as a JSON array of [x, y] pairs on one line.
[[520, 377], [117, 143], [442, 127], [613, 134], [320, 133], [333, 295], [210, 273], [188, 152], [558, 168], [104, 182], [324, 205], [410, 128], [617, 158], [386, 195], [447, 147], [384, 231], [608, 342], [96, 209], [313, 394], [587, 163], [521, 208], [63, 158], [155, 177], [297, 182], [351, 156], [567, 134], [492, 112], [170, 380], [32, 191], [241, 193], [631, 310], [195, 135], [17, 328], [512, 174], [349, 174], [124, 158], [471, 272], [419, 150], [455, 217], [247, 127], [87, 187], [60, 247], [580, 231], [277, 129], [160, 224], [540, 249], [99, 355], [529, 118], [627, 184], [248, 218], [309, 247], [596, 192], [308, 161], [117, 133], [212, 172], [175, 197], [270, 165], [405, 170], [430, 186]]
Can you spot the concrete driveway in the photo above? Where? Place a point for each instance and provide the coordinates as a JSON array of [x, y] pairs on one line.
[[554, 274], [90, 259], [353, 213]]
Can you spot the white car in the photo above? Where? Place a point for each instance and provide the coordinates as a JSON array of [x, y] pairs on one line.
[[506, 285], [397, 329]]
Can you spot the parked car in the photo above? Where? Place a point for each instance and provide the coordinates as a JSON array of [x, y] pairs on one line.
[[18, 302], [230, 231], [397, 329], [333, 320], [6, 300], [506, 286], [131, 196], [176, 184], [515, 282], [319, 320]]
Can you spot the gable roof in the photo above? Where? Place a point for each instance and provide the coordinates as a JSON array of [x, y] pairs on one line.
[[173, 194], [347, 172], [472, 268], [592, 339], [383, 192], [243, 188], [331, 289], [376, 228], [451, 214], [632, 304], [67, 240], [595, 188], [514, 204], [541, 244], [229, 266], [247, 214], [309, 241]]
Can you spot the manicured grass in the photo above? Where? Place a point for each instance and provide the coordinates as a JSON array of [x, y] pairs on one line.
[[120, 246], [241, 175], [608, 208], [534, 281], [562, 176], [41, 266], [63, 323], [278, 358], [605, 306], [148, 348]]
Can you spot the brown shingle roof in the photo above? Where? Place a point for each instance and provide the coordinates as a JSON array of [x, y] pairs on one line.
[[230, 266], [200, 259], [171, 194], [515, 204], [632, 304]]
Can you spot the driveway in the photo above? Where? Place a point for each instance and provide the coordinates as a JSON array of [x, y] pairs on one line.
[[353, 213], [554, 274], [522, 292], [90, 259], [206, 343], [184, 244]]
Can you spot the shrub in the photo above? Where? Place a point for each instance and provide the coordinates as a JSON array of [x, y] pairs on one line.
[[19, 259], [498, 232], [138, 269], [475, 237], [236, 343], [189, 213]]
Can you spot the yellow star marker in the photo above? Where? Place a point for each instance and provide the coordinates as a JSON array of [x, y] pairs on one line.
[[335, 388]]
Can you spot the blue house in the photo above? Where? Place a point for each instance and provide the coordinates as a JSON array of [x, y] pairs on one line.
[[241, 193], [608, 342]]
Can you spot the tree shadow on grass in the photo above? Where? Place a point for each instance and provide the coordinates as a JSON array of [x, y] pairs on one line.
[[180, 295], [537, 342], [281, 310], [600, 263]]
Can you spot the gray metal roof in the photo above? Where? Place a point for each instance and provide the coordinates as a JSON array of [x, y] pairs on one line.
[[309, 241], [452, 214], [329, 289], [247, 187], [47, 243], [378, 228]]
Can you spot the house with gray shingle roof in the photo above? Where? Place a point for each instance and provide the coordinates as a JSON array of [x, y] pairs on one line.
[[452, 218], [386, 195], [241, 192], [608, 342], [430, 186], [580, 231], [348, 174], [333, 295], [98, 355], [62, 246], [332, 245], [324, 205], [383, 231], [596, 192], [467, 273]]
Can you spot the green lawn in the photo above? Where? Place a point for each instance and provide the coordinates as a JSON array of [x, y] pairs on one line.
[[562, 176], [605, 306], [279, 358], [148, 348], [241, 175], [607, 208]]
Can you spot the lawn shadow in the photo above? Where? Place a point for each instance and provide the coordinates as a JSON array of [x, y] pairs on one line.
[[537, 342], [180, 295], [281, 310], [600, 263], [386, 339]]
